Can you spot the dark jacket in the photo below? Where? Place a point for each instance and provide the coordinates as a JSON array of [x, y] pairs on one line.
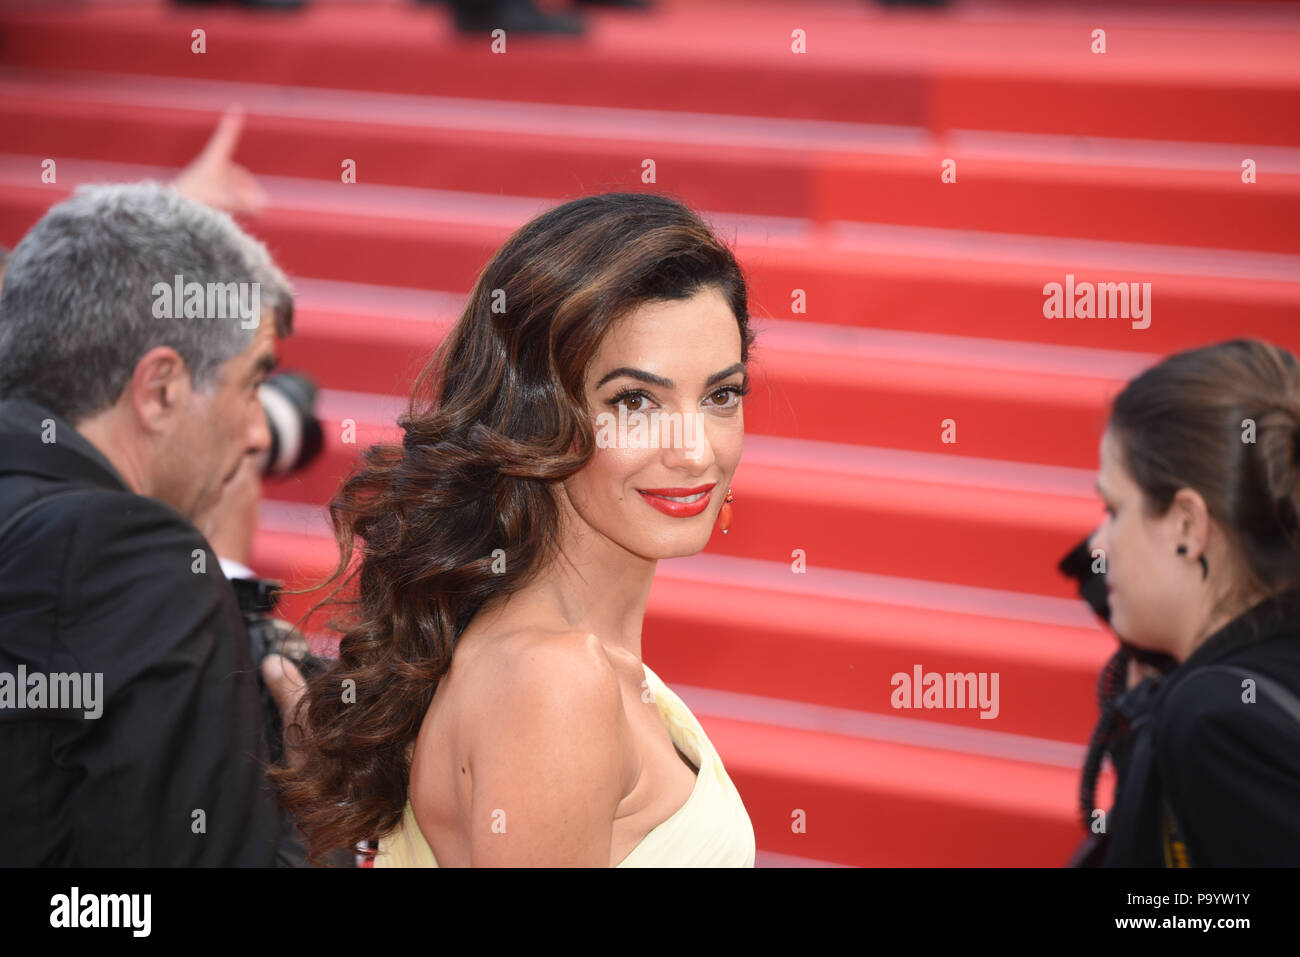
[[1229, 769], [104, 581]]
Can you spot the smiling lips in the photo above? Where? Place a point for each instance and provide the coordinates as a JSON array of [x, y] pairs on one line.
[[678, 502]]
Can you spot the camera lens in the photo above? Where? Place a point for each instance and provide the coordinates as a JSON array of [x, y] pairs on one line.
[[288, 399]]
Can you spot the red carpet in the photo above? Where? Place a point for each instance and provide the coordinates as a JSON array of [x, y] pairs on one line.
[[925, 302]]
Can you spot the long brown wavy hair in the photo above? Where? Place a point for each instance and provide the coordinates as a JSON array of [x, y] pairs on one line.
[[496, 418]]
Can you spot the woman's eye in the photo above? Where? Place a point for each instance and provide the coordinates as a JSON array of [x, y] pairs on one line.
[[725, 398], [637, 401], [634, 401]]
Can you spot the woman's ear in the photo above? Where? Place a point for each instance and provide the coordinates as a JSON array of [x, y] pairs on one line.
[[1191, 517]]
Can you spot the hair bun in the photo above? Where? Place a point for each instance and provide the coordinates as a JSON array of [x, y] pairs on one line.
[[1279, 449]]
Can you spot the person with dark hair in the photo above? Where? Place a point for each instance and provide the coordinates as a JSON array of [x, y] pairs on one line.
[[490, 705], [1200, 476]]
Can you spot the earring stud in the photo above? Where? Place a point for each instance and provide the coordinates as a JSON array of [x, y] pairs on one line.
[[1205, 565]]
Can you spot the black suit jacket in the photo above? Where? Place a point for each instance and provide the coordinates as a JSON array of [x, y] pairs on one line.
[[1229, 769], [105, 581]]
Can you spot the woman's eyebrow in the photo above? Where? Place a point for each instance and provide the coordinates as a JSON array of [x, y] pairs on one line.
[[649, 377], [719, 376]]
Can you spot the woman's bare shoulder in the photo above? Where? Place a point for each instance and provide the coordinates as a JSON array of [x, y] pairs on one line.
[[548, 742], [538, 662], [514, 701]]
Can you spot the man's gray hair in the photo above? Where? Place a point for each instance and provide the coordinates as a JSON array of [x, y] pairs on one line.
[[78, 303]]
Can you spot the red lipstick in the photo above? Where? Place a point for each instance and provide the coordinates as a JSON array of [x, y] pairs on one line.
[[663, 499]]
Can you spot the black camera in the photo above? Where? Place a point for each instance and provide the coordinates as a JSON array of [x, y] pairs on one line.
[[1078, 564], [288, 399], [269, 635]]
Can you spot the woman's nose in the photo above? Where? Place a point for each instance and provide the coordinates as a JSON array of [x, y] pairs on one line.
[[686, 442]]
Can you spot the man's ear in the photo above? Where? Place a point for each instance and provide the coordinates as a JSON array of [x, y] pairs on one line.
[[160, 388], [1192, 519]]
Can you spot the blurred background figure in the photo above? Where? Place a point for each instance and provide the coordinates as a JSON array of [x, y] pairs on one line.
[[476, 16], [251, 4]]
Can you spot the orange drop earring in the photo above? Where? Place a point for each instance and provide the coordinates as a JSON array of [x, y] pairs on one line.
[[724, 513]]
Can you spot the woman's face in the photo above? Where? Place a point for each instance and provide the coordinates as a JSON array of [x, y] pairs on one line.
[[677, 364], [1146, 579]]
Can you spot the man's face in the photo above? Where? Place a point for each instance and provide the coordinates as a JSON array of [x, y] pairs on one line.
[[220, 427]]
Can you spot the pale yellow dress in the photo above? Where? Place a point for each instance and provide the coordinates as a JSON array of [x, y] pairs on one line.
[[712, 829]]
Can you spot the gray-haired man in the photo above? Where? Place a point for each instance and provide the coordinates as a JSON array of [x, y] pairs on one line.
[[135, 328]]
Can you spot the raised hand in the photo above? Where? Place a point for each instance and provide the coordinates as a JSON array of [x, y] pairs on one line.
[[215, 179]]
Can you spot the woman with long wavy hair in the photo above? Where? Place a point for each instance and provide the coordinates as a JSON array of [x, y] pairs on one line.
[[489, 705]]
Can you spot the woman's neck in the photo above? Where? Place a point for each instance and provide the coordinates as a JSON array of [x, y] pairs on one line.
[[593, 585], [1221, 614]]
